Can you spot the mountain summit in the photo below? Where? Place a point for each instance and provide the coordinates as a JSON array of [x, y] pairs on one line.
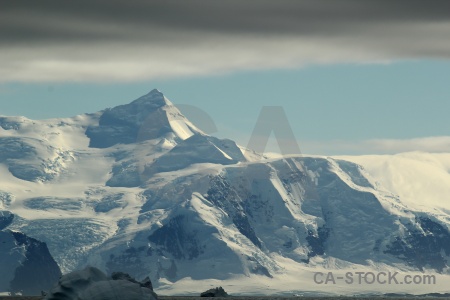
[[154, 98], [148, 117]]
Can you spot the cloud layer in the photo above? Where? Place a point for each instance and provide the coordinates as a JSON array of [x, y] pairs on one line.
[[438, 144], [137, 40]]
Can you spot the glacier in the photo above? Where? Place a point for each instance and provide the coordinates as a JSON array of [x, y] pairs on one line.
[[139, 188]]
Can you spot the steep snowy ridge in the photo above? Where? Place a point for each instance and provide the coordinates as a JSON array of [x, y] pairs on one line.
[[138, 188]]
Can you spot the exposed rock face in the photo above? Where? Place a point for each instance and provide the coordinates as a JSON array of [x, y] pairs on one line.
[[92, 284], [174, 239], [146, 283], [6, 218], [149, 117], [216, 292], [427, 245], [26, 264]]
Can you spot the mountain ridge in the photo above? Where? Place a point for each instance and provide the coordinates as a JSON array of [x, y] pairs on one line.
[[138, 188]]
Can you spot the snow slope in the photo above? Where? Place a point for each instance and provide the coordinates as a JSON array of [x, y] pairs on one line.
[[421, 180], [138, 188]]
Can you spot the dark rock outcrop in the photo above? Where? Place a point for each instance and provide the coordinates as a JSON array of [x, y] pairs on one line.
[[176, 238], [146, 283], [92, 284], [6, 218], [38, 271], [216, 292], [427, 245], [27, 266]]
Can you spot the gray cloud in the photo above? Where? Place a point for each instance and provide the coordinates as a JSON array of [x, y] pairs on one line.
[[134, 40]]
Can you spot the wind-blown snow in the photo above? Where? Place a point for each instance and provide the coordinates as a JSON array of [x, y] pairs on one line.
[[421, 180]]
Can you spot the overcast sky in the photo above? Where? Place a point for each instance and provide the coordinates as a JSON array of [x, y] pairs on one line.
[[106, 50], [134, 40]]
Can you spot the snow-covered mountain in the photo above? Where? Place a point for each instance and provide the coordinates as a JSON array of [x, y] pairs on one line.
[[138, 188]]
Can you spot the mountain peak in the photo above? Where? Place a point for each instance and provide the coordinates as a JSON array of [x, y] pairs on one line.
[[154, 99], [155, 91], [148, 117]]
